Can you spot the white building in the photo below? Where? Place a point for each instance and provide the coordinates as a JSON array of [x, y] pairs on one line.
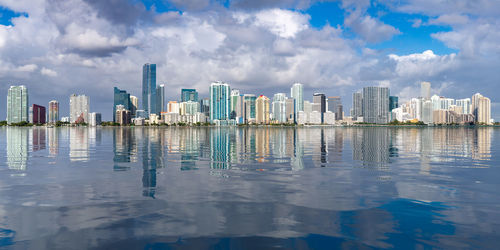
[[329, 118], [79, 108], [94, 119]]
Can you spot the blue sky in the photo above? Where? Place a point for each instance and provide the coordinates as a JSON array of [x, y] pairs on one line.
[[260, 47]]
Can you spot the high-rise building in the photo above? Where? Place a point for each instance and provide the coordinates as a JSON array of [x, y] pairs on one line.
[[235, 103], [53, 111], [291, 110], [376, 105], [121, 97], [279, 108], [427, 111], [357, 105], [475, 106], [173, 107], [17, 104], [135, 105], [249, 108], [149, 88], [189, 95], [205, 106], [38, 114], [465, 104], [335, 106], [262, 110], [319, 99], [123, 116], [393, 102], [425, 90], [484, 110], [95, 119], [220, 101], [188, 108], [79, 108], [160, 98], [297, 93]]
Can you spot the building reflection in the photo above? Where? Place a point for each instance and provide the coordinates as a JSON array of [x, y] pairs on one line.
[[78, 144], [125, 149], [38, 138], [53, 138], [220, 147], [17, 148], [152, 158], [371, 145]]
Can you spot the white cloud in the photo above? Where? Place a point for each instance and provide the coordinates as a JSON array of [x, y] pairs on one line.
[[284, 23], [27, 68], [422, 64], [370, 29], [48, 72]]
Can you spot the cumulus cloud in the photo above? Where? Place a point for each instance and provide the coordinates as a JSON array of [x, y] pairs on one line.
[[422, 64], [283, 23], [48, 72]]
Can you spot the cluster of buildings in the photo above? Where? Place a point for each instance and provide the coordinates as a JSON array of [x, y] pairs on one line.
[[226, 106], [442, 110]]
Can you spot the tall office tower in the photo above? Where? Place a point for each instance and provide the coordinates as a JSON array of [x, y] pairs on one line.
[[425, 90], [38, 114], [17, 104], [416, 108], [249, 107], [134, 101], [262, 110], [95, 119], [484, 110], [436, 102], [279, 108], [335, 106], [189, 95], [220, 101], [393, 102], [297, 93], [79, 107], [319, 99], [376, 104], [205, 106], [427, 110], [160, 99], [123, 116], [465, 105], [291, 110], [357, 105], [149, 89], [235, 97], [475, 105], [30, 114], [121, 97], [53, 111]]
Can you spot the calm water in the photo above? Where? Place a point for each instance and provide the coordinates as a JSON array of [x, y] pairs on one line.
[[249, 188]]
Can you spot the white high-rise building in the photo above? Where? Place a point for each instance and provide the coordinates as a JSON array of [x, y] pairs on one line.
[[484, 110], [376, 105], [135, 104], [17, 104], [475, 105], [79, 108], [425, 90], [297, 93], [279, 108], [426, 112], [465, 104]]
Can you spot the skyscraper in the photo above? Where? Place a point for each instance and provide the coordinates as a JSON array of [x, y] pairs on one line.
[[484, 110], [135, 105], [425, 90], [235, 103], [149, 89], [297, 93], [17, 104], [79, 108], [205, 106], [121, 97], [160, 99], [38, 114], [465, 104], [220, 101], [189, 95], [53, 111], [249, 107], [262, 110], [319, 100], [393, 102], [357, 105], [279, 108], [376, 104], [335, 106]]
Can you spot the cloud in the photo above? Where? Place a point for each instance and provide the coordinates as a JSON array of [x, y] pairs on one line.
[[27, 68], [48, 72], [283, 23], [422, 64], [370, 29]]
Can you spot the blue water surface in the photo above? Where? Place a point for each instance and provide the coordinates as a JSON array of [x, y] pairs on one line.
[[249, 188]]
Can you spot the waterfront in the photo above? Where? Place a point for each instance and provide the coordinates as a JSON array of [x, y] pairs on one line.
[[249, 187]]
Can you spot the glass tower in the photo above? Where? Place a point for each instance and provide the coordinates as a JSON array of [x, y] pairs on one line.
[[189, 95], [297, 93], [160, 98], [121, 97], [17, 104], [53, 111], [220, 101], [376, 104], [149, 89]]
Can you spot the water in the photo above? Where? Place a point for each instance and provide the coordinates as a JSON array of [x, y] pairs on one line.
[[249, 188]]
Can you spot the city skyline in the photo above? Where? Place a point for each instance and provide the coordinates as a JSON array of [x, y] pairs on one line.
[[333, 47]]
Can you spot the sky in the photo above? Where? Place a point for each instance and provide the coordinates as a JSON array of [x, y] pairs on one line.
[[60, 47]]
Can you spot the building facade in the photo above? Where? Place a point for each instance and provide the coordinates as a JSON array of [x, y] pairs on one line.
[[17, 104], [53, 116], [425, 90], [149, 88], [357, 105], [376, 105], [220, 101], [189, 95], [297, 93], [160, 99], [79, 108], [121, 97], [262, 110], [38, 114]]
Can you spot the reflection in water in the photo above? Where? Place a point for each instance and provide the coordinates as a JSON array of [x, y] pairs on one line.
[[17, 148], [152, 159], [38, 138], [53, 136], [78, 144]]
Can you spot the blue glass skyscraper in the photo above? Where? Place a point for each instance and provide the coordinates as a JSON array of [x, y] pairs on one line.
[[189, 95], [149, 89], [121, 97], [220, 101]]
